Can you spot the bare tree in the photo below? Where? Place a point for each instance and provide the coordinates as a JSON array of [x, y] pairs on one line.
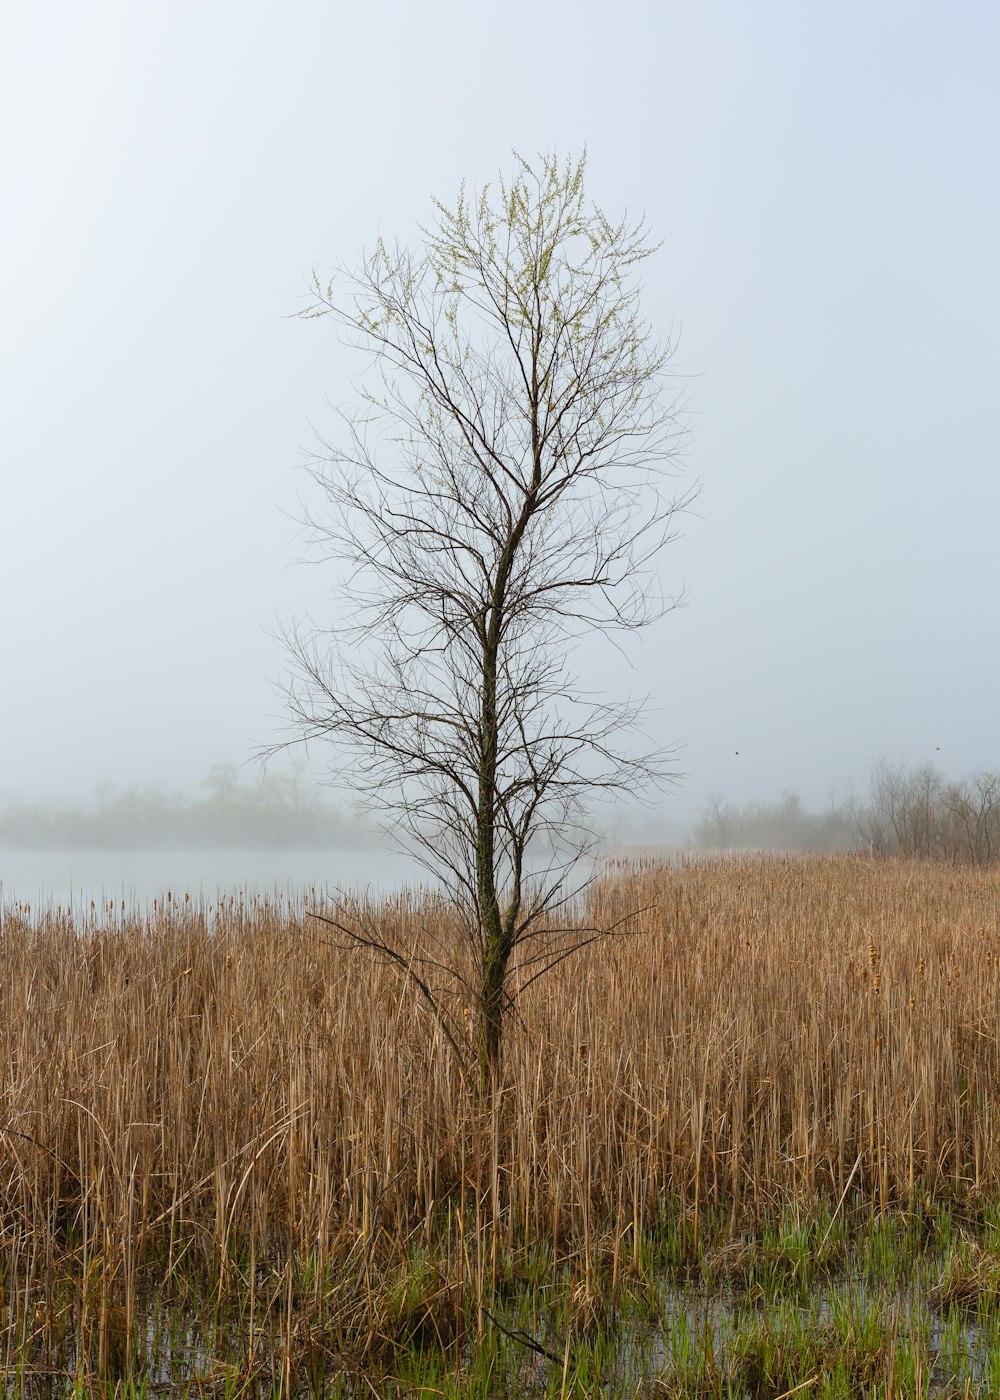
[[970, 818], [499, 494], [222, 782], [913, 812]]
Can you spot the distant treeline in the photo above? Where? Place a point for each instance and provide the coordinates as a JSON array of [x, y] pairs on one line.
[[784, 825], [278, 809], [918, 812], [914, 812]]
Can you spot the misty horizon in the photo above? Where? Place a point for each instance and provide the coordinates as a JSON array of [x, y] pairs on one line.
[[828, 259], [819, 182], [247, 808]]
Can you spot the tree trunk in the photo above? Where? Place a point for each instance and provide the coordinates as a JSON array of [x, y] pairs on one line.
[[491, 1021], [495, 949]]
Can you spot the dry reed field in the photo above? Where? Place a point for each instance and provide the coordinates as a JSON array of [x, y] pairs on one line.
[[221, 1108]]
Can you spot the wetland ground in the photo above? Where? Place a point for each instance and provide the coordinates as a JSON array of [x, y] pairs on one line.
[[752, 1149]]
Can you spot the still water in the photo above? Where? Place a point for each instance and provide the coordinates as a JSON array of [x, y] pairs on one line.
[[139, 877]]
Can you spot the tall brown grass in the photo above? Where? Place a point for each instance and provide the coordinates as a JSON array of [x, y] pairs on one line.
[[186, 1085]]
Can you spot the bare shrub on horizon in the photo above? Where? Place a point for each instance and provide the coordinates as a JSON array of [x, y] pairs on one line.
[[915, 813]]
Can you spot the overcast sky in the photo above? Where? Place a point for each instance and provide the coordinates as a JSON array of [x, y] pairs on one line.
[[824, 180]]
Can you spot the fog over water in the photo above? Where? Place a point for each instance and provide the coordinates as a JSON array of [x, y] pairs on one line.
[[138, 877], [823, 179]]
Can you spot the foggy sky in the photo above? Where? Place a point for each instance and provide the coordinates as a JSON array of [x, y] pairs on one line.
[[824, 182]]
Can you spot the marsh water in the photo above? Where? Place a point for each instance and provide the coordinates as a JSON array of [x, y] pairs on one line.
[[42, 877]]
